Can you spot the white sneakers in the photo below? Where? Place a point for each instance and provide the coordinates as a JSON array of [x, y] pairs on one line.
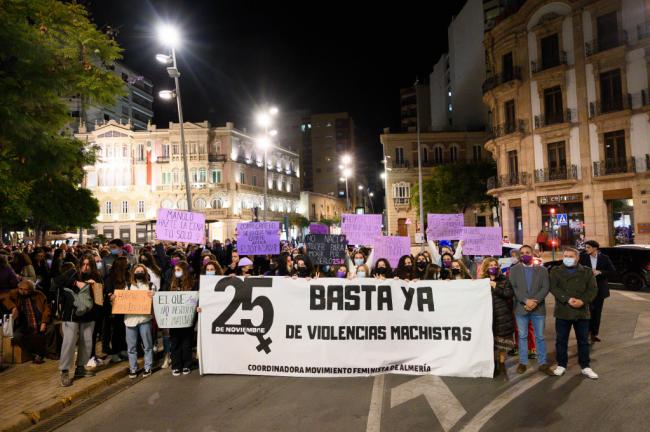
[[559, 370], [589, 373], [166, 362]]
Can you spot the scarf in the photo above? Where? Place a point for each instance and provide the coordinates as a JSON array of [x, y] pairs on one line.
[[31, 313]]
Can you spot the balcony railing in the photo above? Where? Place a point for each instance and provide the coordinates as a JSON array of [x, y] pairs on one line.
[[640, 99], [614, 166], [605, 43], [508, 128], [401, 201], [217, 158], [603, 107], [502, 78], [401, 164], [542, 120], [561, 173], [162, 159], [508, 180], [549, 63]]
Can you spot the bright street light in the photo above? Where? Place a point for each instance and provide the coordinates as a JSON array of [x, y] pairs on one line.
[[264, 119], [264, 142], [341, 167], [341, 179], [383, 176], [372, 194], [273, 111], [273, 133], [167, 94], [360, 187], [347, 172], [164, 58], [346, 159], [168, 35]]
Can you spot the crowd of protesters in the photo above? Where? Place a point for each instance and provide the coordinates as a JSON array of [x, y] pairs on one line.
[[74, 286]]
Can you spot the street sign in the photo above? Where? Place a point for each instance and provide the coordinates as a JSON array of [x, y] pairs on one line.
[[562, 219]]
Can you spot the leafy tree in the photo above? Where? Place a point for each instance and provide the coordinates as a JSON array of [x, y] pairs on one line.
[[299, 221], [50, 51], [455, 187]]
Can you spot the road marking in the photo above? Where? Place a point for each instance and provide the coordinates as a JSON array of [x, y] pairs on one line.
[[632, 296], [442, 401], [376, 402], [501, 401], [642, 325]]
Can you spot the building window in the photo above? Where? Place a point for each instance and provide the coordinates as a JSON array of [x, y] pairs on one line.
[[254, 180], [615, 152], [550, 51], [242, 178], [513, 163], [553, 105], [175, 176], [477, 152], [453, 153], [167, 204], [399, 156], [611, 92], [216, 203], [140, 152], [165, 150], [175, 149], [199, 204], [109, 207], [425, 155], [437, 155], [507, 67], [402, 193], [556, 154], [140, 207], [182, 204], [216, 176], [509, 110], [193, 175], [607, 28], [125, 151], [166, 178], [202, 175], [125, 206]]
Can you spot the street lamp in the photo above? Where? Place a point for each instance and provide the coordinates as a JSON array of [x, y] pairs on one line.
[[417, 116], [170, 37], [265, 119], [347, 172]]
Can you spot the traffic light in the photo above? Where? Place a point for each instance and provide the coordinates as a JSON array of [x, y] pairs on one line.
[[552, 210]]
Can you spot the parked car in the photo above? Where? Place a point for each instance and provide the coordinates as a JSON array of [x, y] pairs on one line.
[[632, 264]]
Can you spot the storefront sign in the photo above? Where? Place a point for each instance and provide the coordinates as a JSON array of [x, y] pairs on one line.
[[643, 228], [558, 199]]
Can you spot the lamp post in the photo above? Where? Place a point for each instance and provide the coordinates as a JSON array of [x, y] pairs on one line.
[[169, 36], [417, 116], [346, 160], [265, 119]]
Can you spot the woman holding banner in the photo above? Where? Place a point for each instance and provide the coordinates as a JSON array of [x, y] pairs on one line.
[[405, 269], [182, 338], [139, 325], [503, 326], [358, 258], [424, 270], [382, 269], [212, 268], [459, 270]]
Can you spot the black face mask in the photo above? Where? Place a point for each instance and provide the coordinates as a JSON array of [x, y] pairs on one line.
[[422, 265], [380, 270], [408, 267], [303, 272], [139, 276], [455, 271]]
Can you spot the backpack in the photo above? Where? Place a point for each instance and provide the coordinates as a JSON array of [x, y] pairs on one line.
[[83, 300]]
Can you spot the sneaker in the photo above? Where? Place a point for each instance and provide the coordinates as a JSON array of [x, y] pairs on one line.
[[133, 374], [124, 355], [79, 372], [146, 373], [521, 368], [186, 371], [545, 369], [559, 370], [166, 362], [92, 363], [532, 355], [88, 373], [38, 359], [66, 381], [589, 373], [176, 372]]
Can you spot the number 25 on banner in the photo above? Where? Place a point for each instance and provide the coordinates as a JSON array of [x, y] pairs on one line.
[[244, 297]]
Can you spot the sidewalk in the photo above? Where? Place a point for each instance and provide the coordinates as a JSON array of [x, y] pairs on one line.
[[30, 393]]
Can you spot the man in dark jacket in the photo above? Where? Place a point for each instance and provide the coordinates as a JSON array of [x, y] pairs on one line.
[[574, 288], [601, 266]]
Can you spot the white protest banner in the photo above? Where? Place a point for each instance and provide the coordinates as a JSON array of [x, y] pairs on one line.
[[258, 238], [331, 327], [361, 229], [445, 226], [175, 309], [181, 226], [482, 241]]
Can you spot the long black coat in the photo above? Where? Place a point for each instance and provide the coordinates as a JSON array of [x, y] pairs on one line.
[[502, 321], [605, 265]]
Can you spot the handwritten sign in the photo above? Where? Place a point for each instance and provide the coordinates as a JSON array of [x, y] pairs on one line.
[[391, 248], [482, 241], [135, 302], [175, 309], [445, 226], [258, 238], [326, 248], [361, 229], [318, 229], [181, 226]]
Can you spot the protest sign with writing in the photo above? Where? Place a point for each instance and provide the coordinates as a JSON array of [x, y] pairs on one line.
[[132, 302], [318, 229], [445, 226], [175, 309], [181, 226], [391, 248], [482, 241], [258, 238], [326, 248], [361, 229]]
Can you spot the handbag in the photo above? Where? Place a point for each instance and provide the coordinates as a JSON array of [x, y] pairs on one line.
[[8, 326]]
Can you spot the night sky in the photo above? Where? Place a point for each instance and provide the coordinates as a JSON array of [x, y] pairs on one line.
[[322, 56]]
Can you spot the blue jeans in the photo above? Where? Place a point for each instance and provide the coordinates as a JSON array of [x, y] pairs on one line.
[[144, 330], [538, 327], [562, 330]]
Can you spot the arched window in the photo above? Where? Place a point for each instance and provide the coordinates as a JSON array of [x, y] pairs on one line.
[[437, 155], [182, 204], [175, 175], [166, 204], [199, 204], [453, 153], [216, 203]]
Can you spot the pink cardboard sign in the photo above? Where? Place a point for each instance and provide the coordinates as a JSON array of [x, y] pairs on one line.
[[482, 241], [391, 248], [361, 229], [180, 226], [445, 226]]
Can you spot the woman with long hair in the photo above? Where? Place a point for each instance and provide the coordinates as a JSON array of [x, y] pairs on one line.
[[405, 269], [458, 270], [382, 269], [154, 272], [139, 325], [23, 266], [212, 268], [181, 338], [115, 333], [503, 327]]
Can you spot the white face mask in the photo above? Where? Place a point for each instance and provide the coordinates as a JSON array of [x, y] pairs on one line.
[[569, 262], [99, 265], [210, 273], [361, 274], [178, 273]]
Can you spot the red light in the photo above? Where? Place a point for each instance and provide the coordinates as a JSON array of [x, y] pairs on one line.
[[553, 242], [552, 210]]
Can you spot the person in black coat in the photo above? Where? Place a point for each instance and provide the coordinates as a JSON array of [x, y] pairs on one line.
[[601, 265]]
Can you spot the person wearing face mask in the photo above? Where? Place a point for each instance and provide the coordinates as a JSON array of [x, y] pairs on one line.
[[424, 269], [304, 267], [182, 338], [115, 247], [438, 253], [153, 271], [405, 268], [233, 268], [212, 268], [458, 271], [139, 325], [245, 266], [42, 270], [362, 271], [382, 269], [114, 337], [503, 326], [358, 258], [530, 285], [341, 272], [274, 266], [574, 288]]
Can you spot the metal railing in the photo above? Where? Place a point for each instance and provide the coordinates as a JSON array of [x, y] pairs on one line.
[[640, 99], [507, 128], [508, 180], [549, 63], [216, 158], [502, 78], [603, 44], [162, 159], [569, 172], [542, 120], [614, 166], [603, 107], [401, 201], [401, 164]]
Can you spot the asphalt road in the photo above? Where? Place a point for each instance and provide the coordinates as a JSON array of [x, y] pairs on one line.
[[618, 401]]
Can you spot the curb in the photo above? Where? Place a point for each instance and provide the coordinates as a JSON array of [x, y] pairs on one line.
[[31, 417]]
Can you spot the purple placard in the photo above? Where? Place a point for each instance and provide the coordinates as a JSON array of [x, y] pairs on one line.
[[180, 226], [391, 248], [482, 241], [361, 229], [445, 226], [318, 229], [258, 238]]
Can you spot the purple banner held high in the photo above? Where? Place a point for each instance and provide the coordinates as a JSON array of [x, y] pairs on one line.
[[258, 238], [361, 229], [391, 248], [316, 228], [181, 226], [482, 241], [445, 226]]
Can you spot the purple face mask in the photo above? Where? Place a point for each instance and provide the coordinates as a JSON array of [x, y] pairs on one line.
[[340, 274], [446, 264], [174, 261], [526, 259], [492, 271]]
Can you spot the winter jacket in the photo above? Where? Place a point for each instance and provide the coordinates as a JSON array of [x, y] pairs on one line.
[[502, 322], [132, 320], [68, 280], [13, 299], [8, 279], [579, 284]]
